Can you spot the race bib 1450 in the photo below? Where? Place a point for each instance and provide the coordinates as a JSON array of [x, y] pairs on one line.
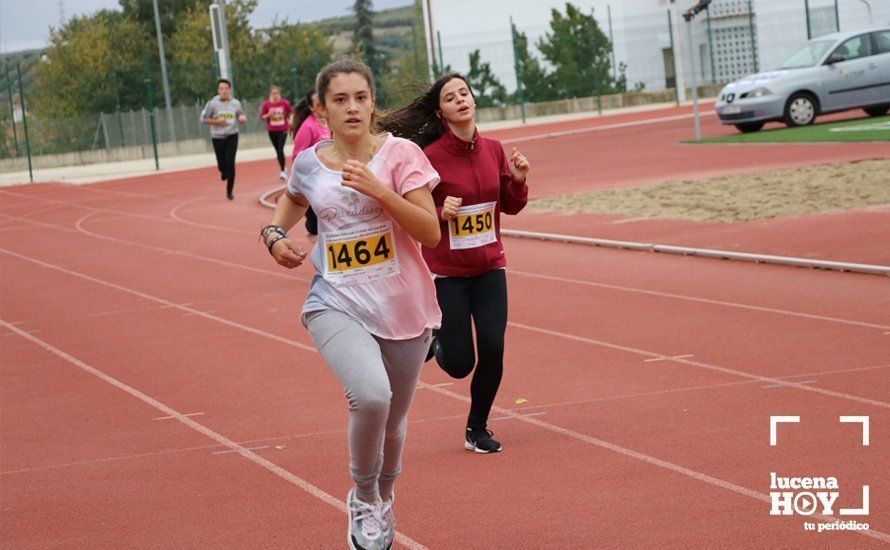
[[473, 226]]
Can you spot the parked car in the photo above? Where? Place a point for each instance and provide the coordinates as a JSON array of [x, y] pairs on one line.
[[836, 72]]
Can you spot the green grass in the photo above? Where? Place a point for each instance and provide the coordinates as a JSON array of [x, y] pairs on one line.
[[815, 133]]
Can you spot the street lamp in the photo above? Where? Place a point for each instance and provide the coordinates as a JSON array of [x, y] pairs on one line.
[[688, 16]]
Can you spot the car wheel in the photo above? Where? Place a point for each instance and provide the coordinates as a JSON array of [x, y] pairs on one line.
[[748, 127], [800, 110], [879, 110]]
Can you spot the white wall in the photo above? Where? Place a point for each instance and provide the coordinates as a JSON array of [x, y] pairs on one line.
[[640, 30]]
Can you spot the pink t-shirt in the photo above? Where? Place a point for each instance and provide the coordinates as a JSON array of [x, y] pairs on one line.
[[310, 133], [366, 265], [280, 110]]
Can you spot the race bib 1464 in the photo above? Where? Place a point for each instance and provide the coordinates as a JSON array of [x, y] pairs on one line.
[[360, 255]]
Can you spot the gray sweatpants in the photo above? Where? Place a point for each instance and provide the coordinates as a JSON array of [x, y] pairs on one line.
[[379, 377]]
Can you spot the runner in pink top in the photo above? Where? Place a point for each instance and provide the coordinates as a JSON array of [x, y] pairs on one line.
[[276, 111], [372, 302], [307, 130]]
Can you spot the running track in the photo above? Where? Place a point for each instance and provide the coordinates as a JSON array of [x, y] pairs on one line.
[[149, 344]]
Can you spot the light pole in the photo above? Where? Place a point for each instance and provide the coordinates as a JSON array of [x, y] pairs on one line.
[[689, 15], [164, 72]]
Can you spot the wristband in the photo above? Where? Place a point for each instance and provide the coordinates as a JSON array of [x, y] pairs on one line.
[[274, 240], [264, 232]]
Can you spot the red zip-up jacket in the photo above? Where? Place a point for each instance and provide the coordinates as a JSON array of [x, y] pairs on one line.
[[478, 172]]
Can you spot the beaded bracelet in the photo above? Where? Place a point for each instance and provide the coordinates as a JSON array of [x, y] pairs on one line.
[[274, 240]]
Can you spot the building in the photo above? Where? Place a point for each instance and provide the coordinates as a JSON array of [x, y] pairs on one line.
[[744, 35]]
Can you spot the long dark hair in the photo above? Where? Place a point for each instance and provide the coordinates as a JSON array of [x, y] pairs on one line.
[[419, 121], [301, 112]]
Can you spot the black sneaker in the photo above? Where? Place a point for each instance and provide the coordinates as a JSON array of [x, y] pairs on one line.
[[230, 196], [480, 441], [222, 176]]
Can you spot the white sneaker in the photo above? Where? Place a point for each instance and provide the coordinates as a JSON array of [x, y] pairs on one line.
[[388, 517], [283, 175], [365, 528]]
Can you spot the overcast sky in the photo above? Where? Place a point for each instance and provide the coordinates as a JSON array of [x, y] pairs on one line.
[[25, 24]]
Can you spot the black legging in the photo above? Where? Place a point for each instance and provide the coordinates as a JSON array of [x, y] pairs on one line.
[[483, 297], [278, 140], [225, 149]]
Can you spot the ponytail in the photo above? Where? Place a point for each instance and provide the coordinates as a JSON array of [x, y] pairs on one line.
[[301, 112]]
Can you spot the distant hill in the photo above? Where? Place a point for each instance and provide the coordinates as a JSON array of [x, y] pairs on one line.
[[392, 30]]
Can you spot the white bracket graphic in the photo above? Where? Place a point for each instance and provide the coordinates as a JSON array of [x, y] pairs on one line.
[[858, 511], [773, 421], [859, 420]]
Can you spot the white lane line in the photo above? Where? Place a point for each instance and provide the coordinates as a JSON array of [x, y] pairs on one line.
[[705, 478], [782, 386], [200, 428], [580, 131], [701, 300], [699, 364], [80, 229], [539, 423]]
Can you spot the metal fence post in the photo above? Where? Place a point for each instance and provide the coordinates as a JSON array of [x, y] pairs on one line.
[[520, 87], [806, 7], [753, 35], [15, 136], [151, 115], [18, 69], [441, 58], [673, 57], [711, 45]]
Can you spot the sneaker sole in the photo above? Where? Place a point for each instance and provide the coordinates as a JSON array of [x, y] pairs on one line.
[[470, 447]]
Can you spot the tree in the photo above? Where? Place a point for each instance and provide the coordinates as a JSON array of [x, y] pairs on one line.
[[363, 39], [75, 76], [410, 76], [193, 66], [142, 12], [486, 87], [286, 47], [579, 52], [536, 84]]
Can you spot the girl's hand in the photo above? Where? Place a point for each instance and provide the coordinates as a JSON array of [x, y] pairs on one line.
[[449, 208], [359, 177], [518, 166], [242, 119], [287, 254]]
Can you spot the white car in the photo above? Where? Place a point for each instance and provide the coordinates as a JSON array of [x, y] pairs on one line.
[[837, 72]]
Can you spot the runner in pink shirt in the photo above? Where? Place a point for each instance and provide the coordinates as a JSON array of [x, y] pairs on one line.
[[372, 303], [276, 111], [307, 130]]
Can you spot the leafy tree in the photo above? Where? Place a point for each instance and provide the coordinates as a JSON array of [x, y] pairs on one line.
[[75, 74], [579, 52], [286, 47], [142, 12], [536, 84], [363, 43], [410, 76], [193, 66], [487, 88]]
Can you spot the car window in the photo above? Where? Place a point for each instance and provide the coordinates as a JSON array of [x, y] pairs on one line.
[[882, 40], [807, 56], [854, 48]]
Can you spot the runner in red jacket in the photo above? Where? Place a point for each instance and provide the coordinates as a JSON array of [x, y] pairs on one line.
[[478, 183]]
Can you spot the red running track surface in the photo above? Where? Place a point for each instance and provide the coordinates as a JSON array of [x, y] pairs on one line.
[[634, 410]]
